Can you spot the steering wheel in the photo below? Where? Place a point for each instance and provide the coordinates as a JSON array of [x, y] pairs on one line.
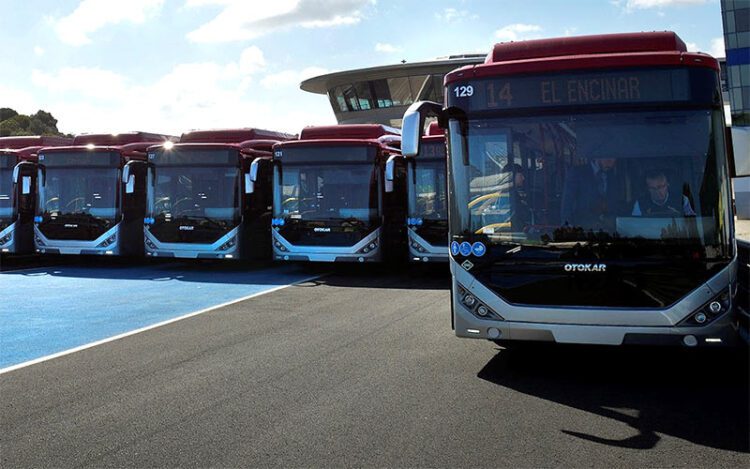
[[181, 201], [160, 204], [74, 203]]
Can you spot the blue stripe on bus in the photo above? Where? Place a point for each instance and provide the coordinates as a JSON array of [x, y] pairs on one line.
[[46, 311], [739, 56]]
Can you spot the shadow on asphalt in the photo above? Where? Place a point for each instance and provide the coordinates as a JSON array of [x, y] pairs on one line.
[[202, 271], [698, 395], [404, 276]]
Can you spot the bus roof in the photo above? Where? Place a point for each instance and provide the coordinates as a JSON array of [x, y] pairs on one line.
[[33, 140], [131, 151], [117, 140], [348, 132], [663, 48], [235, 136]]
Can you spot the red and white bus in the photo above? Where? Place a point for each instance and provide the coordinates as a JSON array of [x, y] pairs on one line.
[[210, 196], [428, 199], [589, 193], [18, 176], [340, 195], [92, 195]]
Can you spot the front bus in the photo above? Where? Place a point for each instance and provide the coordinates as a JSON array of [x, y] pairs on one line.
[[91, 200], [428, 201], [589, 194], [331, 203], [201, 205]]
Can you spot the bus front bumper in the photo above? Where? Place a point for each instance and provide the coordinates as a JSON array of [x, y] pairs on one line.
[[723, 331]]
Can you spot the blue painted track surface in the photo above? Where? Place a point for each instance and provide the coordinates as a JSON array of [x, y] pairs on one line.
[[53, 309]]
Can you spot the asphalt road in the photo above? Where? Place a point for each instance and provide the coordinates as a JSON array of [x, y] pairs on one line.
[[363, 370]]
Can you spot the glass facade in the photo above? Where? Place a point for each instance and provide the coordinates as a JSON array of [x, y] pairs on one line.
[[736, 19], [386, 93]]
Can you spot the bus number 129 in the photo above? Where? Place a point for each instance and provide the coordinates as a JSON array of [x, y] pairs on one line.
[[464, 91]]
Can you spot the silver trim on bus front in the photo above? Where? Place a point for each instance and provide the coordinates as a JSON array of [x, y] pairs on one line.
[[582, 325], [191, 250], [431, 254], [328, 253], [75, 246]]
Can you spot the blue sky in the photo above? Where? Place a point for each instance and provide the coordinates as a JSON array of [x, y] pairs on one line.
[[176, 65]]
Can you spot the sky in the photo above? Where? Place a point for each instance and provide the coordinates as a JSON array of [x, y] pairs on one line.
[[171, 66]]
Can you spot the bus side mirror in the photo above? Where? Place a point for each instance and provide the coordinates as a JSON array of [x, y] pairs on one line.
[[390, 171], [16, 170], [128, 179], [412, 125], [252, 176]]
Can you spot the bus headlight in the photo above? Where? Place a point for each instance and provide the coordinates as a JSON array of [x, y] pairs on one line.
[[477, 308], [6, 239], [39, 241], [229, 244], [710, 311], [108, 241], [280, 246], [370, 247]]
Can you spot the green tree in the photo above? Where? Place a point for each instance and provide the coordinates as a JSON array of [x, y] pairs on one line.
[[7, 113], [40, 123]]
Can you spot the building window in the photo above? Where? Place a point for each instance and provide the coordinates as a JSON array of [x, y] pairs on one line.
[[400, 90]]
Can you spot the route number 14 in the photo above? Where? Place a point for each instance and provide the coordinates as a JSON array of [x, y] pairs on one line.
[[502, 94]]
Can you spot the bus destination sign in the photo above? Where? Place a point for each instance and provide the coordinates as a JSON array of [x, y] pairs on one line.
[[575, 89]]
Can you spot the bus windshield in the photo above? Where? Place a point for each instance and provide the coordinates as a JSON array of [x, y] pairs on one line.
[[650, 176], [200, 192], [430, 200], [328, 183], [88, 191]]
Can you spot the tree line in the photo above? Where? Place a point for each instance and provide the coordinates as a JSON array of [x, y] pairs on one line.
[[14, 124]]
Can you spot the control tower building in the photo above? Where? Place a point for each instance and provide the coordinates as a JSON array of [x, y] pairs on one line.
[[380, 95]]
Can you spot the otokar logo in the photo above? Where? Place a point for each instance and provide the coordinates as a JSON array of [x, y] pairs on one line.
[[186, 228], [71, 225], [585, 267], [322, 230]]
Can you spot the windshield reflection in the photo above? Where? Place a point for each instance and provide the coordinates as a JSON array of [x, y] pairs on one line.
[[328, 191], [209, 193], [592, 177], [80, 191]]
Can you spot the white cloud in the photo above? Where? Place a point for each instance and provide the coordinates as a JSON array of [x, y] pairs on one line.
[[252, 60], [717, 47], [291, 78], [450, 15], [387, 48], [241, 20], [517, 32], [631, 5], [90, 82], [19, 100], [692, 47], [92, 15], [190, 96], [38, 51], [570, 31]]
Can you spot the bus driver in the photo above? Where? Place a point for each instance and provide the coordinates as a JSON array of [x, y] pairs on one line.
[[661, 202]]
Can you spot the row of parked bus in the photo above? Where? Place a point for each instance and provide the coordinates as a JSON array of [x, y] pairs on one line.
[[588, 185], [335, 193]]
